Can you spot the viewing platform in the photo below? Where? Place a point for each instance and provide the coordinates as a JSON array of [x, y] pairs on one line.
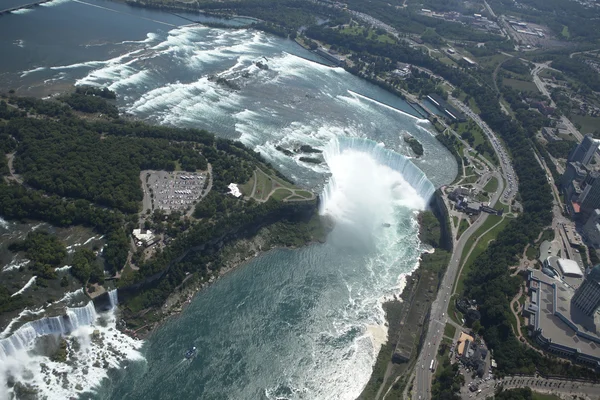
[[23, 6]]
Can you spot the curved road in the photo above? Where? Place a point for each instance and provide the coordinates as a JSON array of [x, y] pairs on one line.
[[438, 317]]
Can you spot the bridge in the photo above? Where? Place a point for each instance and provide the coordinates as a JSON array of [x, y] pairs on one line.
[[23, 6]]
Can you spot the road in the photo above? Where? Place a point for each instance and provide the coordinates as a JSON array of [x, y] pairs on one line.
[[438, 317], [507, 169]]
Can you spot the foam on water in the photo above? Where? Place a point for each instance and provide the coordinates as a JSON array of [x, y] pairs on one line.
[[31, 71], [54, 3], [94, 345], [22, 11]]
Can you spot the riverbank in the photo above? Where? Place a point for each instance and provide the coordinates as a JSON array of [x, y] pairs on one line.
[[406, 316], [232, 256]]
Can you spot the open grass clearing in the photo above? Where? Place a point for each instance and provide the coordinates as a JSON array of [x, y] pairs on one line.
[[280, 194], [480, 247], [449, 330], [523, 86], [464, 225], [588, 123], [304, 193], [491, 186]]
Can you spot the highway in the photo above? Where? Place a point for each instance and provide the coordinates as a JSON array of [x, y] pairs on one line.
[[507, 169], [438, 317]]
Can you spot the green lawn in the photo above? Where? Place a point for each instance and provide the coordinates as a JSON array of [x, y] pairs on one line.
[[464, 225], [449, 330], [474, 106], [480, 247], [280, 194], [523, 86], [246, 188], [588, 124], [304, 193], [264, 185], [372, 35], [544, 396], [491, 186]]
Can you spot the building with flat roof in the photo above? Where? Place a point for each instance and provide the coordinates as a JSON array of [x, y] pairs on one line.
[[556, 324], [569, 268]]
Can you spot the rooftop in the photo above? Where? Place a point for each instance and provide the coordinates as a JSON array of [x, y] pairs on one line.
[[569, 267], [565, 326]]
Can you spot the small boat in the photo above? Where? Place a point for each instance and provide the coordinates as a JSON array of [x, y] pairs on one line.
[[191, 353], [386, 225]]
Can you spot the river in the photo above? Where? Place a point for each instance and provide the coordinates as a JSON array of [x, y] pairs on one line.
[[290, 324]]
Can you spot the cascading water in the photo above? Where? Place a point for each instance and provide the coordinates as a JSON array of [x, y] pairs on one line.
[[93, 345], [368, 182], [114, 300], [23, 337]]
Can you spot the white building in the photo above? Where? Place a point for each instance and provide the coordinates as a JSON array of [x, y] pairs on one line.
[[569, 268], [143, 236], [234, 190]]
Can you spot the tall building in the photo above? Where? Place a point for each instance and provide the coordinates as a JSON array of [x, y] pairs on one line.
[[590, 196], [587, 296], [584, 152]]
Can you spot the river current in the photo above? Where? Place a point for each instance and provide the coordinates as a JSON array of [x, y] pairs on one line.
[[290, 324]]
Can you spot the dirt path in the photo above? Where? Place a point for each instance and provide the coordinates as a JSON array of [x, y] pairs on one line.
[[15, 177]]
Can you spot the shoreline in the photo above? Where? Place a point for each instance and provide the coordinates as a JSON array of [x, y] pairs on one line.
[[235, 255]]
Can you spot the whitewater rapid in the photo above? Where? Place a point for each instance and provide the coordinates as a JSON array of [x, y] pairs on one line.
[[93, 346]]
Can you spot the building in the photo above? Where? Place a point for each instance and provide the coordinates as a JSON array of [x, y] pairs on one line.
[[591, 229], [550, 134], [585, 151], [569, 268], [448, 110], [556, 324], [587, 296], [144, 237], [574, 171], [589, 199], [469, 61], [334, 58], [464, 342]]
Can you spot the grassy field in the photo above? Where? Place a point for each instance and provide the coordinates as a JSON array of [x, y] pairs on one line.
[[544, 396], [372, 35], [491, 186], [280, 194], [474, 106], [449, 330], [464, 225], [588, 124], [480, 247], [523, 86], [304, 193]]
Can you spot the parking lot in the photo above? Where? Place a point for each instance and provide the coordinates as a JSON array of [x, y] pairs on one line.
[[173, 191]]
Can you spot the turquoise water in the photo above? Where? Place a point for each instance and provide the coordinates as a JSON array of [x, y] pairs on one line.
[[290, 324]]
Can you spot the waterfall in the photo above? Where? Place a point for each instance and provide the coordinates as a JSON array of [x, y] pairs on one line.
[[410, 173], [23, 337], [114, 300]]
